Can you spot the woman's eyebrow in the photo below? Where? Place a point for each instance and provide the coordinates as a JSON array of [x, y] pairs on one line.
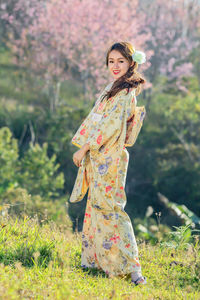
[[118, 58]]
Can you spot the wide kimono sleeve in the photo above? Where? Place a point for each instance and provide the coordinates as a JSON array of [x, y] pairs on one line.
[[81, 135], [108, 129], [131, 104], [134, 124]]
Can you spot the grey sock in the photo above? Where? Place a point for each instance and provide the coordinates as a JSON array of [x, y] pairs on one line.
[[135, 275]]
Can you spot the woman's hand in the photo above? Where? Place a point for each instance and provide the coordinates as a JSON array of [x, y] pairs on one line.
[[79, 155]]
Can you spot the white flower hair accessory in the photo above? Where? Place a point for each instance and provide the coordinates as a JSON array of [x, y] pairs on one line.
[[139, 57]]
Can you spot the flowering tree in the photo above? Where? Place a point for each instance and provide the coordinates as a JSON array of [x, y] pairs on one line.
[[14, 16], [69, 39], [64, 39], [174, 34]]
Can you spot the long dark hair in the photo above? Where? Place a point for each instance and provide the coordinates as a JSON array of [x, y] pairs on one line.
[[132, 79]]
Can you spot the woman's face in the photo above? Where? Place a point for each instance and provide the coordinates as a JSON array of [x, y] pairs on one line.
[[118, 65]]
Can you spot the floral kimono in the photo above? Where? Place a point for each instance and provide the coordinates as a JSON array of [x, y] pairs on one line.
[[108, 240]]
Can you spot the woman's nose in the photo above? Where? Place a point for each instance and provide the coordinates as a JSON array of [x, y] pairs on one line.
[[116, 65]]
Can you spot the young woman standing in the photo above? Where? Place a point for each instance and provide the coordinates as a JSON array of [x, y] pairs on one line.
[[108, 240]]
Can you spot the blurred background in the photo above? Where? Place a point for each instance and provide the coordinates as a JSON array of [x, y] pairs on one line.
[[52, 68]]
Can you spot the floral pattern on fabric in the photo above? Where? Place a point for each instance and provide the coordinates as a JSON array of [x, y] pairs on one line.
[[108, 240]]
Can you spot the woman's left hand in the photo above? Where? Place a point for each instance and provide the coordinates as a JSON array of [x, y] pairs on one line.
[[78, 156]]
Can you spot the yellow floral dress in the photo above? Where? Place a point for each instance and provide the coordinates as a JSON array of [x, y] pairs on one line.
[[108, 240]]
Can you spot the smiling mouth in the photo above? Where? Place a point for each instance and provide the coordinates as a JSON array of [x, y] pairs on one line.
[[116, 72]]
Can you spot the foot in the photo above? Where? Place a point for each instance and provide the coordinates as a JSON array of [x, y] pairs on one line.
[[140, 280]]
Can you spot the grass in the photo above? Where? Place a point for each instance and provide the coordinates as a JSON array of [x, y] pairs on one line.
[[44, 262]]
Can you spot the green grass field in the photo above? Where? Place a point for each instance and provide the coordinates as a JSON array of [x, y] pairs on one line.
[[44, 262]]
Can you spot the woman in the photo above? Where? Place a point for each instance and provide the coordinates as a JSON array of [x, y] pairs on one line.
[[108, 240]]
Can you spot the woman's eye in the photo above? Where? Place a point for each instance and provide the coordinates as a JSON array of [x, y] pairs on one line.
[[110, 62]]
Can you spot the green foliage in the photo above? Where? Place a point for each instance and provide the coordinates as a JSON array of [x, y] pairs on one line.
[[8, 159], [31, 184], [35, 172], [147, 228], [179, 160], [186, 215], [151, 231], [57, 130], [38, 172], [166, 157], [181, 238]]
